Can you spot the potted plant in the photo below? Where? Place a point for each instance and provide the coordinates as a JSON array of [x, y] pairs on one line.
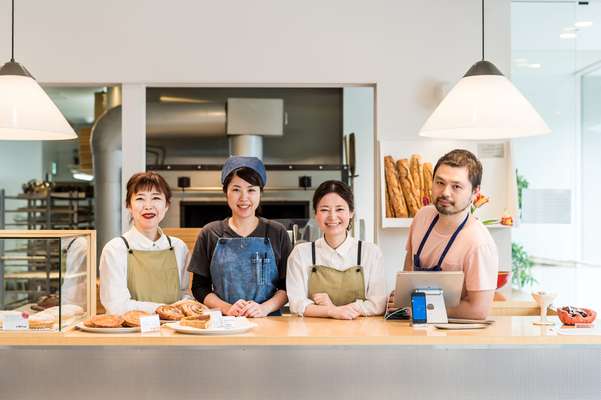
[[521, 267]]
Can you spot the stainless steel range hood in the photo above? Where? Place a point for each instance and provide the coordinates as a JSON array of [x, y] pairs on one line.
[[244, 121]]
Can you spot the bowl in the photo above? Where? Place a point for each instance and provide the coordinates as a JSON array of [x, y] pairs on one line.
[[567, 319], [502, 278]]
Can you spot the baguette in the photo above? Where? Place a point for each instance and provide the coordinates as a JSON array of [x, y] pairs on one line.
[[393, 189], [428, 181], [389, 210], [407, 186], [417, 175]]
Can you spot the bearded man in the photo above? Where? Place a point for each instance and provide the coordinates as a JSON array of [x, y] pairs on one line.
[[444, 236]]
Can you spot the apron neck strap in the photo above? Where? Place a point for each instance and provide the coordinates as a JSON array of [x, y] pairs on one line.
[[426, 236], [129, 250], [70, 244], [314, 260], [126, 245], [446, 249], [266, 237]]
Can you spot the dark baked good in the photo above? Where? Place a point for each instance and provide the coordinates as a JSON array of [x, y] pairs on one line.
[[45, 302]]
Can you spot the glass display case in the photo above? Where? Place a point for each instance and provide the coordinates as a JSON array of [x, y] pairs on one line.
[[47, 278]]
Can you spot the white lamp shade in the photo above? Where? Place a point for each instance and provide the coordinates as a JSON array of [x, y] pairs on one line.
[[27, 113], [484, 107]]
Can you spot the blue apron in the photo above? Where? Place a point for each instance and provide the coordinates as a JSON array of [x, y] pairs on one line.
[[416, 262], [245, 268]]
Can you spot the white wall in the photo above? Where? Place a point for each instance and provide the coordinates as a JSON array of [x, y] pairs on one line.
[[550, 161], [405, 48], [591, 167]]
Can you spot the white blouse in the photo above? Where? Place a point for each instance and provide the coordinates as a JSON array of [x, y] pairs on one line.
[[342, 258], [114, 294]]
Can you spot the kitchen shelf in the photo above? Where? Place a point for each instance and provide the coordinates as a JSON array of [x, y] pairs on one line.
[[32, 275], [498, 180], [29, 270]]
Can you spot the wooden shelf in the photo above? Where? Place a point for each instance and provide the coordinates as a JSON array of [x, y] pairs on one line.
[[388, 223], [498, 180]]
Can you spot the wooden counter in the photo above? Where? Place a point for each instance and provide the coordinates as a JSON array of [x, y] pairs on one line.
[[299, 358], [296, 331]]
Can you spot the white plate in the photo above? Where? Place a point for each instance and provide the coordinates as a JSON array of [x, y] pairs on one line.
[[580, 331], [461, 326], [240, 325], [84, 328]]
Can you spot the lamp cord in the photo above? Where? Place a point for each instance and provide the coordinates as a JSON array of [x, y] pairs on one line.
[[482, 30], [12, 50]]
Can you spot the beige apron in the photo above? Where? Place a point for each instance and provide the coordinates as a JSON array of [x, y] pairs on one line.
[[152, 275], [343, 287]]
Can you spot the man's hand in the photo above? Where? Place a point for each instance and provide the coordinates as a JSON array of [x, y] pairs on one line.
[[390, 307]]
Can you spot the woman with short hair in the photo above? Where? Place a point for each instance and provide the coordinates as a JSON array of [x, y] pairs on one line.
[[144, 268]]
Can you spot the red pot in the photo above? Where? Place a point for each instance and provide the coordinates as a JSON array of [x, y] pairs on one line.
[[502, 278]]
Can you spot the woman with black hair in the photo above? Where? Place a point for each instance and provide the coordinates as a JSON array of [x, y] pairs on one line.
[[336, 276], [239, 264]]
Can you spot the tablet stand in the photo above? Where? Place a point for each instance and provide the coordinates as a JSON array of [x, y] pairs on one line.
[[436, 312]]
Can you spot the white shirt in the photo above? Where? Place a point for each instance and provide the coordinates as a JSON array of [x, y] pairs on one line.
[[114, 294], [344, 257], [73, 290]]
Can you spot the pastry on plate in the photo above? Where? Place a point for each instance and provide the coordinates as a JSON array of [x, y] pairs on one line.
[[41, 321], [104, 321], [191, 307], [132, 318], [198, 321], [170, 313], [89, 323]]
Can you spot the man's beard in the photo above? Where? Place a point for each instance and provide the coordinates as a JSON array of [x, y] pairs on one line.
[[446, 211]]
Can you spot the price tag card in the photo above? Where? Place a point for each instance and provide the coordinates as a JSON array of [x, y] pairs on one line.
[[215, 318], [228, 322], [15, 323], [150, 323]]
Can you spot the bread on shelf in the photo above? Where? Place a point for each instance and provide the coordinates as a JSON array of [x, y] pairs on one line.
[[398, 207]]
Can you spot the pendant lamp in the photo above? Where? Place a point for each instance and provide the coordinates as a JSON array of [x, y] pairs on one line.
[[26, 111], [484, 105]]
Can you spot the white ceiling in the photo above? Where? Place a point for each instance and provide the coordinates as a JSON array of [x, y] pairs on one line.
[[537, 25], [535, 36]]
